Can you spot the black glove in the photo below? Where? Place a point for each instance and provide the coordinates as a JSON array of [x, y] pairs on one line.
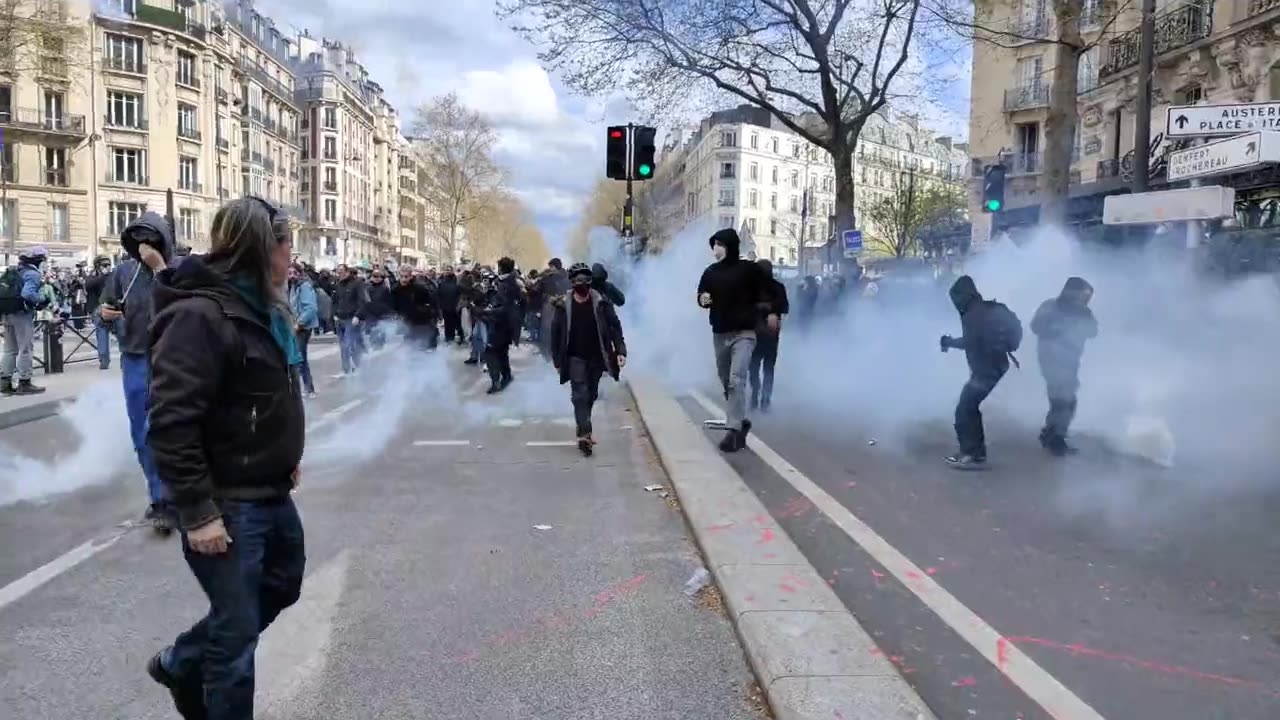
[[945, 342]]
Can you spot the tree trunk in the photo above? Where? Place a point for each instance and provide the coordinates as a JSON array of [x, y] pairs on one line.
[[1060, 123], [842, 144]]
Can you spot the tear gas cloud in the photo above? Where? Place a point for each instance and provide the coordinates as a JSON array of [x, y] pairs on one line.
[[1180, 373], [99, 451]]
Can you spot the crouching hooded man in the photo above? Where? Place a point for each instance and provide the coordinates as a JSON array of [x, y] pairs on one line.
[[586, 342], [734, 290], [1062, 326], [992, 334]]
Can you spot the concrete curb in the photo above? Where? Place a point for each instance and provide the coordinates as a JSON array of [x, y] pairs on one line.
[[809, 654]]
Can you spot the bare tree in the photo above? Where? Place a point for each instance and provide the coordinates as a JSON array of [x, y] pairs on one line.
[[504, 227], [39, 38], [822, 68], [917, 202], [455, 145], [1062, 33]]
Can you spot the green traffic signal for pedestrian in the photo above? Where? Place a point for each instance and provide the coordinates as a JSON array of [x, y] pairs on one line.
[[645, 170]]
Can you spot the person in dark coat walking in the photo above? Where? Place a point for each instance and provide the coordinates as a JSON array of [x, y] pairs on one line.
[[415, 305], [350, 300], [586, 342], [600, 283], [449, 298], [991, 335], [1062, 326], [503, 319], [765, 355]]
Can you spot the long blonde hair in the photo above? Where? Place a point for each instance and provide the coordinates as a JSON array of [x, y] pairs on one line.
[[245, 233]]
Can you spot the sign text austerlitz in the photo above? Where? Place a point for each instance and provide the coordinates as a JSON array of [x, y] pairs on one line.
[[1206, 120]]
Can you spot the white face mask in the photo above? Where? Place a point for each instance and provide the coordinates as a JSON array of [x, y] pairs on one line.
[[719, 251]]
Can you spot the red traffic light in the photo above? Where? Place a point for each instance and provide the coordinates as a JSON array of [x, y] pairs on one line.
[[615, 134]]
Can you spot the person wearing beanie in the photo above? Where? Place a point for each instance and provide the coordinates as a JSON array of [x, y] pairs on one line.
[[20, 298], [1062, 325], [735, 291], [586, 343]]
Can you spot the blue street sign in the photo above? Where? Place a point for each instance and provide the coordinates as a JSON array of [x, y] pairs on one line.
[[852, 241]]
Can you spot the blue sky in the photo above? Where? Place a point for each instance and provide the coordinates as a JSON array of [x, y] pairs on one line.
[[552, 141]]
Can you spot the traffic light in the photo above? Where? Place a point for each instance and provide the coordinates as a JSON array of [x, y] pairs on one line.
[[616, 153], [643, 151], [993, 188]]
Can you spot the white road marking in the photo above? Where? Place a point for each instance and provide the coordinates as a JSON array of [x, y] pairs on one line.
[[441, 443], [335, 413], [565, 421], [1039, 685], [551, 443], [24, 585], [294, 652], [510, 422]]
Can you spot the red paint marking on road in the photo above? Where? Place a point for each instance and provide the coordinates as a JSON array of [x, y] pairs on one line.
[[831, 582], [766, 536], [469, 656], [895, 659], [913, 575], [964, 682], [1002, 653], [876, 574], [787, 588], [750, 598], [762, 519], [717, 528], [851, 483], [769, 556], [931, 571], [1171, 670], [908, 671], [795, 507], [794, 580], [876, 651]]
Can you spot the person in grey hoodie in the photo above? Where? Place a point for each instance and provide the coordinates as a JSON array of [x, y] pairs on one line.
[[126, 302]]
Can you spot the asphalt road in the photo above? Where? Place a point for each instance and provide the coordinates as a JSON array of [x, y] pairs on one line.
[[430, 593], [1143, 601]]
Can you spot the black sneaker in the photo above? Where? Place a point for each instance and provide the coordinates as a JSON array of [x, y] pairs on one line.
[[584, 445], [471, 361], [26, 388], [6, 386], [189, 702], [966, 462], [742, 436], [494, 389], [730, 442]]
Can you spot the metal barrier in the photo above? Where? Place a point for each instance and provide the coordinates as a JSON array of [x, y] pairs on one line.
[[54, 357]]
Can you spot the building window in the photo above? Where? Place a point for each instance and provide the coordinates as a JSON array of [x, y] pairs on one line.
[[755, 141], [129, 165], [727, 197], [775, 145], [774, 173], [727, 170], [53, 107], [795, 204], [773, 227], [125, 110], [59, 222], [188, 225], [862, 174], [120, 214], [795, 150], [187, 70], [330, 210], [1189, 95], [795, 178], [9, 219], [773, 201], [726, 221], [55, 167], [124, 53], [331, 118], [188, 177], [1087, 70], [188, 125], [728, 138], [330, 148], [751, 224], [755, 170], [7, 169], [753, 199]]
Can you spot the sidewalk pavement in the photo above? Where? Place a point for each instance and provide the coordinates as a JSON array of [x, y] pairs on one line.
[[811, 656]]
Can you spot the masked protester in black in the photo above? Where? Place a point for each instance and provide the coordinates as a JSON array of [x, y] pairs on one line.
[[552, 283], [765, 356], [1062, 326], [503, 316], [586, 342], [415, 305], [987, 343], [449, 297]]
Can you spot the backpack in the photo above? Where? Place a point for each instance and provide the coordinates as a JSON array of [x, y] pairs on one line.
[[1004, 326], [11, 292]]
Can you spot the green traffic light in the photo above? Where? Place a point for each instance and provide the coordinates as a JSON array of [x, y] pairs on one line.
[[993, 205], [645, 170]]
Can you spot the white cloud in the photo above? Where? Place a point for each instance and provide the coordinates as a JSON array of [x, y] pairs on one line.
[[518, 94]]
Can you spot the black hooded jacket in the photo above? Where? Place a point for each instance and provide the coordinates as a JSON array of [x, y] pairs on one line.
[[131, 283], [380, 304], [448, 293], [350, 298], [739, 288], [1062, 326], [414, 303], [226, 418], [779, 306], [985, 357], [600, 283]]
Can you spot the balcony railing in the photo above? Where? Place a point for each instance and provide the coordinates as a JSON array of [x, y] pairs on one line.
[[727, 174], [170, 19], [269, 123], [727, 202], [1026, 96], [134, 179], [196, 188], [1257, 7], [223, 96], [188, 133], [59, 234], [190, 82], [244, 154], [272, 85], [330, 186], [331, 155], [56, 177], [135, 124], [269, 165], [256, 114], [125, 65], [224, 144], [1091, 17], [1174, 28], [34, 119], [1026, 163], [9, 171]]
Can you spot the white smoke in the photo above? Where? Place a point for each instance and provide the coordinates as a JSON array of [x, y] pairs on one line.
[[102, 450]]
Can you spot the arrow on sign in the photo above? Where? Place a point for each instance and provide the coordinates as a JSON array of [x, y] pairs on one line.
[[1250, 149], [1181, 121]]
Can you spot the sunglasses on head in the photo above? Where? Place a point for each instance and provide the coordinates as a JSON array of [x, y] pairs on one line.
[[274, 215]]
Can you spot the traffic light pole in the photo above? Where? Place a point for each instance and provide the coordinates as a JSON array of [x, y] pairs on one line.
[[627, 217]]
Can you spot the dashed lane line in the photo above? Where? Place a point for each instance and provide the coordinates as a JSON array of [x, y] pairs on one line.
[[441, 443], [28, 583], [552, 443], [1035, 681]]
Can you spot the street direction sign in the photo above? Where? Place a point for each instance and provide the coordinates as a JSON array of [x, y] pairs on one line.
[[1224, 156], [1209, 120], [852, 240], [1208, 202]]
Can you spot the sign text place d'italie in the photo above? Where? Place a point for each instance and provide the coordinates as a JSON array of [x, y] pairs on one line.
[[1222, 119]]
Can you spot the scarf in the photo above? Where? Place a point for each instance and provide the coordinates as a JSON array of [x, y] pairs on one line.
[[281, 326]]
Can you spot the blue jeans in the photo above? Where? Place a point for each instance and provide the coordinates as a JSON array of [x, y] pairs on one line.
[[479, 339], [304, 339], [135, 371], [102, 339], [349, 344], [259, 575]]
